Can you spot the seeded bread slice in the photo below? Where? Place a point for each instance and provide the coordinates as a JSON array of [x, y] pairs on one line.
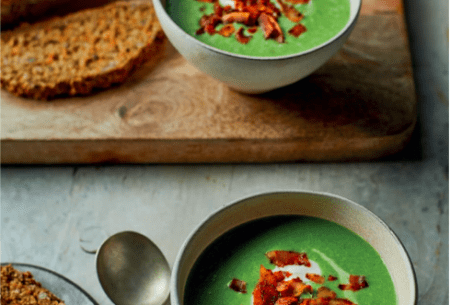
[[89, 49]]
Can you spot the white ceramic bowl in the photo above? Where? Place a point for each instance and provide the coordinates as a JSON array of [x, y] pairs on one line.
[[326, 206], [247, 73]]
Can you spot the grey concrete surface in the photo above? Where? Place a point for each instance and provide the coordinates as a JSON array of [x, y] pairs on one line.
[[53, 216]]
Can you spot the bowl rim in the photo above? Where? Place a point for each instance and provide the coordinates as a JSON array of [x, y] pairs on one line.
[[176, 266], [349, 25]]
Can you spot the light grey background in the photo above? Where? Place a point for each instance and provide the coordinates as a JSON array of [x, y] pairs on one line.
[[50, 214]]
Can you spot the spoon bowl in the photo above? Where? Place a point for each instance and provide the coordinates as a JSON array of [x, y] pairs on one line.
[[133, 270]]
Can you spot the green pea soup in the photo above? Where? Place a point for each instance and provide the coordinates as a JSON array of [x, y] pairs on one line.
[[323, 19], [240, 252]]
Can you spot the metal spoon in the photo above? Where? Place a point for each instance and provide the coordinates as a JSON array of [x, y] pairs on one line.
[[132, 270]]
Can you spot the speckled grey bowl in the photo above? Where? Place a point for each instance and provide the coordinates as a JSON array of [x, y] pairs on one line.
[[326, 206], [247, 73]]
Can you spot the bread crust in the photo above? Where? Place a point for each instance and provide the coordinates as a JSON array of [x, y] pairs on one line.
[[77, 53], [13, 11]]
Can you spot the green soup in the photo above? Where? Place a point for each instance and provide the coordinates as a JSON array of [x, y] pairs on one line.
[[240, 252], [322, 18]]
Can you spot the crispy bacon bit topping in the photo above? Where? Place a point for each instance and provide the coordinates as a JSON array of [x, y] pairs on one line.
[[345, 286], [210, 29], [251, 13], [265, 292], [252, 30], [294, 287], [238, 285], [325, 296], [321, 301], [283, 258], [239, 5], [268, 8], [227, 30], [208, 24], [270, 27], [287, 301], [297, 30], [356, 282], [266, 26], [326, 293], [316, 278], [227, 9], [218, 10], [241, 37], [200, 31], [287, 274], [290, 12], [332, 278], [279, 275], [278, 33], [284, 288], [273, 288], [239, 17]]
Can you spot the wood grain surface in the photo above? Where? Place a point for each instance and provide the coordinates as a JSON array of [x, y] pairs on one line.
[[361, 105]]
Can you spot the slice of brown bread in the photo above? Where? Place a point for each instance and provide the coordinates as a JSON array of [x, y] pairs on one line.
[[89, 49]]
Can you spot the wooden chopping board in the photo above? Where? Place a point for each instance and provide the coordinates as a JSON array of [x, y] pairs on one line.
[[360, 105]]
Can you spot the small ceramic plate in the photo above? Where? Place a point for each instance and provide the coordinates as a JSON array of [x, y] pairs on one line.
[[62, 287]]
